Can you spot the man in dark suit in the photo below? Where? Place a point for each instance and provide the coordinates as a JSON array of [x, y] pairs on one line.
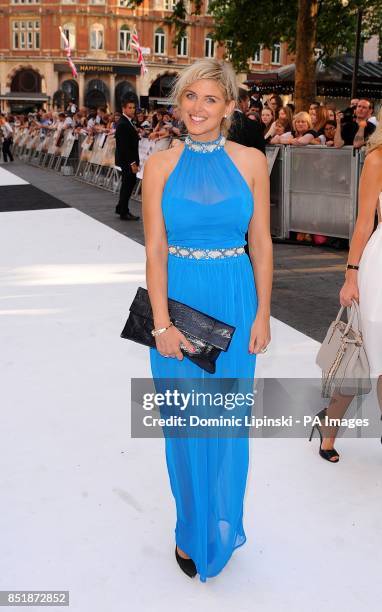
[[126, 157], [246, 132], [243, 130]]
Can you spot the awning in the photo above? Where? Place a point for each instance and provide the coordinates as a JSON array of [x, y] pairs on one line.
[[25, 97], [333, 79], [285, 73]]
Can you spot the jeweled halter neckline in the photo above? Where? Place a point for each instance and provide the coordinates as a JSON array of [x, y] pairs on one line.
[[207, 146]]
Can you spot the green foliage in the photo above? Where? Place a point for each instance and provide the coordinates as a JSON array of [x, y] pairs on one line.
[[242, 25]]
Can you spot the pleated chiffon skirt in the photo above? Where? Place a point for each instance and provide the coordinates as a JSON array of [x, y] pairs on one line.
[[208, 474]]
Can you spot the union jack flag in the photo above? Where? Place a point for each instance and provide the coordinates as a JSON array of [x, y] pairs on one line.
[[134, 42], [68, 52]]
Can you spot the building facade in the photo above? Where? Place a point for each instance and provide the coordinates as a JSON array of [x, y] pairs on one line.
[[33, 67]]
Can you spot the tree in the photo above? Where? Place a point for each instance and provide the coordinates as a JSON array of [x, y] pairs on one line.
[[311, 28], [306, 43]]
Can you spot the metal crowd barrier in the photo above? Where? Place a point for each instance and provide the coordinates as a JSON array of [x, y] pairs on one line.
[[89, 157], [96, 162], [276, 167], [314, 189], [54, 151]]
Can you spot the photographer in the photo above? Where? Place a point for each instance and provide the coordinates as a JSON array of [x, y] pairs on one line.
[[353, 127]]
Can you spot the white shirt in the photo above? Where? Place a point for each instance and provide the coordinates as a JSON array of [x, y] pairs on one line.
[[7, 130]]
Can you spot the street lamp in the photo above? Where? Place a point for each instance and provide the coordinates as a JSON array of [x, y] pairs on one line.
[[345, 3]]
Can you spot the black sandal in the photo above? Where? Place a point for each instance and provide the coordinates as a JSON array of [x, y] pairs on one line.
[[187, 565], [325, 454]]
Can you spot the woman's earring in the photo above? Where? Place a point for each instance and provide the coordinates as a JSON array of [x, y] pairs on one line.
[[225, 116]]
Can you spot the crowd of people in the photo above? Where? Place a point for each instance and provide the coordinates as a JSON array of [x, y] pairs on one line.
[[154, 124], [320, 124], [257, 121]]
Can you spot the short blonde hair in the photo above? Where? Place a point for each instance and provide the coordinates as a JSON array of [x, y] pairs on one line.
[[375, 140], [210, 68], [302, 116]]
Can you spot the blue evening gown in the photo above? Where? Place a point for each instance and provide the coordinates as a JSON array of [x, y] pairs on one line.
[[207, 203]]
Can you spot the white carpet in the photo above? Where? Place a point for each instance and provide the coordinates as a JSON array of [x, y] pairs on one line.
[[88, 509], [8, 178]]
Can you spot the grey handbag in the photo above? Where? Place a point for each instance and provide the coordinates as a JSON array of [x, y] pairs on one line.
[[342, 357]]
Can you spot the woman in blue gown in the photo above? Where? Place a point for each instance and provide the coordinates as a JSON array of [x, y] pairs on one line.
[[199, 200]]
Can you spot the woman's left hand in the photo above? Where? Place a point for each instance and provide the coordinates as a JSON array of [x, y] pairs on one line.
[[260, 334]]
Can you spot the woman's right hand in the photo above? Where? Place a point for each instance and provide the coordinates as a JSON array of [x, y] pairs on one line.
[[349, 292], [168, 343]]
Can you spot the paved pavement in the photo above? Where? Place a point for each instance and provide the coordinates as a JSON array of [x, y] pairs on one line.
[[307, 278]]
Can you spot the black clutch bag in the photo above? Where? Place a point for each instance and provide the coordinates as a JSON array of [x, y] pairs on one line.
[[208, 335]]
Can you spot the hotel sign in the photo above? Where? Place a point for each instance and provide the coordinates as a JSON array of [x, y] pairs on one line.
[[92, 68], [100, 68]]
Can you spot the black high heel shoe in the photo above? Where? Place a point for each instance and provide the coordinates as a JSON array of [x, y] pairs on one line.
[[187, 565], [325, 454]]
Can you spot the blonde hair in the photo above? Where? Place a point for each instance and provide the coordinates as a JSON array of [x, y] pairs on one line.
[[209, 68], [375, 140], [303, 116]]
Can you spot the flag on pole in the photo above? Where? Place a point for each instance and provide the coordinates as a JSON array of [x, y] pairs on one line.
[[134, 42], [68, 52]]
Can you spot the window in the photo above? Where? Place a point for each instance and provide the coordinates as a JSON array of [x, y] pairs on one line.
[[124, 39], [96, 36], [26, 80], [228, 49], [96, 1], [169, 5], [26, 34], [68, 1], [25, 1], [123, 2], [183, 47], [276, 54], [69, 30], [208, 7], [209, 46], [159, 41], [258, 55]]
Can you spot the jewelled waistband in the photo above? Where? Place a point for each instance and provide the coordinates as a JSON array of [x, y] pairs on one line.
[[197, 253]]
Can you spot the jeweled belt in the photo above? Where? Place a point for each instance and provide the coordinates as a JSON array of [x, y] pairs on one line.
[[197, 253]]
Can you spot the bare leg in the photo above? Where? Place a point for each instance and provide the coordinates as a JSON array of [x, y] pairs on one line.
[[379, 391], [182, 554], [336, 410]]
